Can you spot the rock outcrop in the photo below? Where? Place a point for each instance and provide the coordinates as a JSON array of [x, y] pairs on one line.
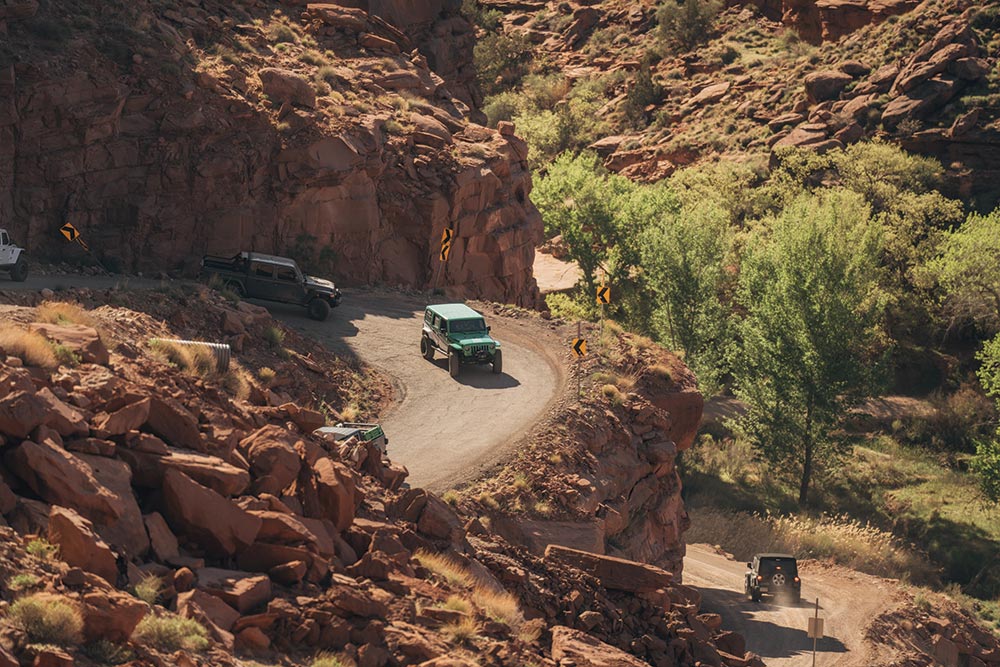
[[309, 137]]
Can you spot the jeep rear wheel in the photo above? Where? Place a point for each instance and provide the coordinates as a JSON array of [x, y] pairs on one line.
[[235, 287], [497, 362], [454, 363], [19, 273], [426, 349], [319, 309]]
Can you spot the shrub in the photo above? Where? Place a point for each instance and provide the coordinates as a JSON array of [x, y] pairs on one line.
[[282, 33], [31, 348], [148, 589], [274, 336], [171, 633], [65, 356], [394, 127], [266, 375], [451, 497], [501, 60], [686, 23], [41, 548], [457, 603], [327, 73], [22, 581], [48, 619], [313, 57], [521, 482], [613, 394], [105, 652], [328, 660], [644, 93]]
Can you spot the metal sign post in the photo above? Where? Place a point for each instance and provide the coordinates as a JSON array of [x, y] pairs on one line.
[[815, 630]]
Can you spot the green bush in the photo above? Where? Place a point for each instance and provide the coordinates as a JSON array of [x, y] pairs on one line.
[[501, 60], [171, 633], [687, 23], [48, 619]]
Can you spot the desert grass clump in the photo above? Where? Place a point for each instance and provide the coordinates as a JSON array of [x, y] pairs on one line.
[[462, 631], [451, 497], [65, 356], [487, 500], [105, 652], [282, 33], [613, 394], [171, 633], [313, 57], [446, 567], [148, 589], [31, 348], [521, 482], [64, 312], [266, 375], [40, 547], [48, 619], [500, 606], [328, 660], [457, 603], [274, 337], [20, 582]]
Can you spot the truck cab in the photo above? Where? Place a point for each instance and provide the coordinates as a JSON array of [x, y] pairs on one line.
[[13, 259]]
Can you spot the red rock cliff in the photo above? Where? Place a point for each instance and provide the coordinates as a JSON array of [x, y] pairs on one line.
[[165, 132]]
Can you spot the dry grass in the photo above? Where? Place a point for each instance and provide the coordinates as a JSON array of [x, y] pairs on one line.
[[20, 582], [41, 548], [48, 619], [446, 567], [500, 606], [613, 394], [451, 497], [148, 589], [838, 539], [171, 633], [457, 603], [462, 631], [487, 500], [64, 312], [328, 660], [30, 348], [266, 375]]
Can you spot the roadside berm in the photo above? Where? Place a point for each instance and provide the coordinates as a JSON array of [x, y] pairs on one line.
[[211, 497]]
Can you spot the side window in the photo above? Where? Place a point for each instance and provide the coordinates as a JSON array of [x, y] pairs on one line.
[[428, 317], [3, 238], [444, 326], [437, 321], [261, 270], [285, 273]]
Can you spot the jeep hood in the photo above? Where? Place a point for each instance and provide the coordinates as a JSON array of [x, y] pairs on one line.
[[474, 338], [320, 283]]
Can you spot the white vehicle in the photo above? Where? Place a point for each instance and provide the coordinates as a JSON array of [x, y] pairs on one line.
[[12, 258]]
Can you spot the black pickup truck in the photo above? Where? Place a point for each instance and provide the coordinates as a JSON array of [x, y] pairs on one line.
[[272, 278]]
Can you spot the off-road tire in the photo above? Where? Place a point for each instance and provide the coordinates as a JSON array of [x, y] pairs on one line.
[[19, 273], [755, 596], [319, 309], [454, 363], [235, 287], [779, 580], [497, 362], [426, 349]]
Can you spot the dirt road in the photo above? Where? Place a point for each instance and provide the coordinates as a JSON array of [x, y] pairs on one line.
[[443, 430], [777, 631]]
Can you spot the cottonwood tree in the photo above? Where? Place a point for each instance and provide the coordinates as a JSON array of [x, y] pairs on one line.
[[684, 252], [986, 463], [811, 341], [968, 271]]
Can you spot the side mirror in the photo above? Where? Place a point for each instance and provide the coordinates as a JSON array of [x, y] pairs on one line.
[[489, 329], [750, 565]]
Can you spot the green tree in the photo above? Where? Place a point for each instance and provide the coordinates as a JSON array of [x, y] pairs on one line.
[[968, 271], [986, 462], [687, 23], [811, 338], [580, 200], [684, 251], [501, 60]]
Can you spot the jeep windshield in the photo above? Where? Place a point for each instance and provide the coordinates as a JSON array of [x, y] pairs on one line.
[[467, 326]]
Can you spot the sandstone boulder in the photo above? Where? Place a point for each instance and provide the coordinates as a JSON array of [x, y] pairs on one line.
[[80, 546], [21, 413], [63, 479], [587, 651], [83, 340], [274, 461], [120, 422], [111, 615], [174, 423], [283, 85], [240, 590], [64, 419], [439, 520], [195, 603], [826, 85], [126, 533], [206, 517], [161, 539], [336, 491], [614, 573]]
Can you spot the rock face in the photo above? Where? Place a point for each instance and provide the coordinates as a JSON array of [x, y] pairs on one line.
[[79, 545], [828, 20], [584, 650], [157, 168]]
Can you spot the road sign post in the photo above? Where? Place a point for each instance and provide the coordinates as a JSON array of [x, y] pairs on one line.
[[603, 298], [815, 630], [580, 350]]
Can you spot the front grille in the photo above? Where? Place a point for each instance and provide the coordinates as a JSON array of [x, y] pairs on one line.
[[478, 350]]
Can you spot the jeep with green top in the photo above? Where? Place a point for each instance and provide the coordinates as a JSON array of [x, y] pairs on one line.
[[462, 334]]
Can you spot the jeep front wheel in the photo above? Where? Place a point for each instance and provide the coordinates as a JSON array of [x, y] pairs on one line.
[[20, 271], [319, 309], [498, 362], [454, 363], [426, 349]]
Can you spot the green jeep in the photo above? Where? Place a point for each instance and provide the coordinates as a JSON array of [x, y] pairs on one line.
[[462, 334]]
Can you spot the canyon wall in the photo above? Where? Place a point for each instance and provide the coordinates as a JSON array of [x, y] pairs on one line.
[[198, 131]]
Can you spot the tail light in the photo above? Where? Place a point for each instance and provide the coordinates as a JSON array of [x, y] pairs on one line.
[[796, 580], [760, 578]]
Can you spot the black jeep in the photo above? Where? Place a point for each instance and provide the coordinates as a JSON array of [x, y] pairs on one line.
[[774, 574]]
